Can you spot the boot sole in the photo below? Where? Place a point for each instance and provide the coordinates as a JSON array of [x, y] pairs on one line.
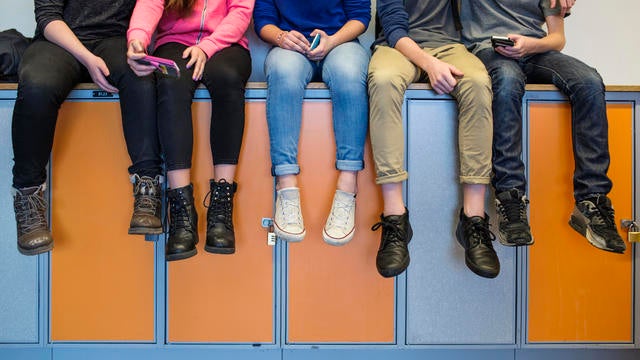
[[145, 231], [395, 272], [217, 250], [182, 256], [36, 251]]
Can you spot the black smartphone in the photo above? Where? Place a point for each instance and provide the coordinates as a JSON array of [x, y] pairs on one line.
[[501, 41]]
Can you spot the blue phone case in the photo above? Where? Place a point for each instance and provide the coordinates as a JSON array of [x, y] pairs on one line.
[[315, 42]]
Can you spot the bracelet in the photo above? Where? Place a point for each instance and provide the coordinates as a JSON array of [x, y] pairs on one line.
[[280, 38]]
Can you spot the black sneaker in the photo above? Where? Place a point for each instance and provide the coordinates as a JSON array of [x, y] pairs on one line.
[[393, 254], [594, 219], [513, 226], [475, 237]]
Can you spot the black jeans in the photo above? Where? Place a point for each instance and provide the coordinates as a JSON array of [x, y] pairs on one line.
[[47, 74], [583, 86], [225, 76]]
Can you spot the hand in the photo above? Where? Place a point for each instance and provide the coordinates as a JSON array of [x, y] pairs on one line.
[[324, 47], [442, 76], [197, 60], [295, 41], [523, 46], [135, 51], [98, 71], [565, 5]]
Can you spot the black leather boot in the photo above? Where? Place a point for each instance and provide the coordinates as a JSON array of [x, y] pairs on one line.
[[147, 205], [220, 236], [30, 207], [475, 237], [183, 224], [393, 254]]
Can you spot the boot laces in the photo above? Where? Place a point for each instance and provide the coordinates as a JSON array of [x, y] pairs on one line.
[[179, 217], [146, 199], [393, 233], [479, 233], [220, 205], [30, 211]]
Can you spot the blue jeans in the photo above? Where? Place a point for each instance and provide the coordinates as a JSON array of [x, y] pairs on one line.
[[344, 70], [583, 86]]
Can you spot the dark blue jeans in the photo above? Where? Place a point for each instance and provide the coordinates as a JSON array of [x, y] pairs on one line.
[[585, 90], [47, 74]]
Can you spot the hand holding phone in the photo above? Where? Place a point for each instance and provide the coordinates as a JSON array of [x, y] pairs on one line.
[[315, 42], [501, 41], [166, 67]]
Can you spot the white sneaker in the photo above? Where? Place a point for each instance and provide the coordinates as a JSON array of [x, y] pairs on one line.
[[287, 221], [340, 225]]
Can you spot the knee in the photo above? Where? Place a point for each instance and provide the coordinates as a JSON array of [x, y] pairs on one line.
[[507, 82], [40, 87], [591, 84], [384, 81], [227, 76], [475, 84]]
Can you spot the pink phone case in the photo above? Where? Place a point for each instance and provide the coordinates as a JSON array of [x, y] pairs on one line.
[[166, 67]]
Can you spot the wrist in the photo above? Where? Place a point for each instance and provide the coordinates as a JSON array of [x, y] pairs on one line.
[[280, 38]]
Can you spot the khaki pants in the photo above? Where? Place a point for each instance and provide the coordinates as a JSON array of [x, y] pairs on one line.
[[390, 73]]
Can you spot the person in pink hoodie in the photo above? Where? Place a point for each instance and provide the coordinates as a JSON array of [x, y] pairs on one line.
[[206, 40]]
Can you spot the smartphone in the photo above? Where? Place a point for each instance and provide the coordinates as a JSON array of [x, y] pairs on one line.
[[315, 42], [166, 67], [501, 41]]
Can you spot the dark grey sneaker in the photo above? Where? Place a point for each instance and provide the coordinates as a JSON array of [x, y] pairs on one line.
[[513, 226], [594, 219]]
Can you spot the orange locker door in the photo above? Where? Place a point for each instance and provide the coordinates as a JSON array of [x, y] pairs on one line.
[[577, 293], [215, 298], [334, 294], [102, 280]]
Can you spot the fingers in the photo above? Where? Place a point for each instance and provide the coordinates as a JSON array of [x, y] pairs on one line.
[[295, 41]]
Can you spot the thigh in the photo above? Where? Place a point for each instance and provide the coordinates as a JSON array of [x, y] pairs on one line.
[[46, 67], [554, 67], [230, 66], [346, 62], [458, 56], [388, 65], [287, 65]]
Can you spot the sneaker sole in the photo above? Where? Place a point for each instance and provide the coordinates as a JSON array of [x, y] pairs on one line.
[[593, 240], [145, 231], [36, 251], [502, 239], [337, 241], [182, 256], [218, 250], [289, 237]]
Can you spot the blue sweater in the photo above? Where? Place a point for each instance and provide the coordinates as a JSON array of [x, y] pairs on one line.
[[306, 16]]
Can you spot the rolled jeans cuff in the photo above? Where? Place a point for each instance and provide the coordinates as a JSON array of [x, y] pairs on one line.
[[475, 180], [349, 165], [285, 169]]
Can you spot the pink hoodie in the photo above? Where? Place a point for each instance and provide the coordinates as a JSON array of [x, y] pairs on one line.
[[212, 25]]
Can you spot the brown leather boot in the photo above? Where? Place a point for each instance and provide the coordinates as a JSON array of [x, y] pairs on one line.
[[30, 207], [147, 205]]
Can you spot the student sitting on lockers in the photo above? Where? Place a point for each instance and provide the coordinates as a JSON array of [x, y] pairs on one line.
[[535, 57]]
